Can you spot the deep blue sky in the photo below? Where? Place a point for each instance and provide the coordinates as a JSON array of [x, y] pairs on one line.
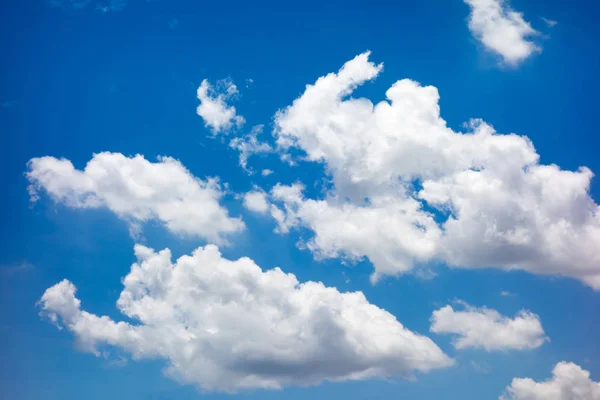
[[77, 82]]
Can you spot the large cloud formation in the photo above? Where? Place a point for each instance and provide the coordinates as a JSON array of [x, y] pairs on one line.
[[406, 189], [137, 190], [228, 325], [502, 30], [569, 382], [487, 329]]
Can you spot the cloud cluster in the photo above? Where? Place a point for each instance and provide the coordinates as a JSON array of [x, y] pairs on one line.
[[569, 382], [483, 328], [218, 116], [502, 30], [406, 189], [137, 190], [228, 325]]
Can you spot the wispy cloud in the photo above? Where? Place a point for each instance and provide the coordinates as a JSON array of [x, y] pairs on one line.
[[174, 23], [551, 23], [8, 270], [102, 6], [111, 6], [4, 104]]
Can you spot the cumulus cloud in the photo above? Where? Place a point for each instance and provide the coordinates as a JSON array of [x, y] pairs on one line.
[[218, 116], [137, 190], [502, 30], [407, 190], [228, 325], [484, 328], [569, 382], [256, 200], [266, 172], [248, 145]]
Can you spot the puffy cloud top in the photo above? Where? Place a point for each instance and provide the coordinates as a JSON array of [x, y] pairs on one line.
[[502, 30], [406, 189], [569, 382], [228, 325]]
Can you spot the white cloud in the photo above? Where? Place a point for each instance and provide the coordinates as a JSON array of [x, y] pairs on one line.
[[407, 190], [218, 116], [137, 190], [256, 201], [484, 328], [248, 145], [228, 325], [502, 30], [569, 382], [266, 172]]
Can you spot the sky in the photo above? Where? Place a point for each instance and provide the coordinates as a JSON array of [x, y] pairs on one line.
[[359, 201]]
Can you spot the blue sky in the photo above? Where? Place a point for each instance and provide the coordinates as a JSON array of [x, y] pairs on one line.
[[123, 77]]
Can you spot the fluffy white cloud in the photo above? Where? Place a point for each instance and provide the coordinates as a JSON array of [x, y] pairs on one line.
[[406, 189], [502, 30], [137, 190], [217, 114], [569, 382], [248, 145], [228, 325], [487, 329], [266, 172], [256, 200]]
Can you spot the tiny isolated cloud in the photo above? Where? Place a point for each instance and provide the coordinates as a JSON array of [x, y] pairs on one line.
[[266, 172], [111, 6], [225, 325], [568, 382], [502, 30], [484, 328], [137, 191], [218, 116], [551, 23]]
